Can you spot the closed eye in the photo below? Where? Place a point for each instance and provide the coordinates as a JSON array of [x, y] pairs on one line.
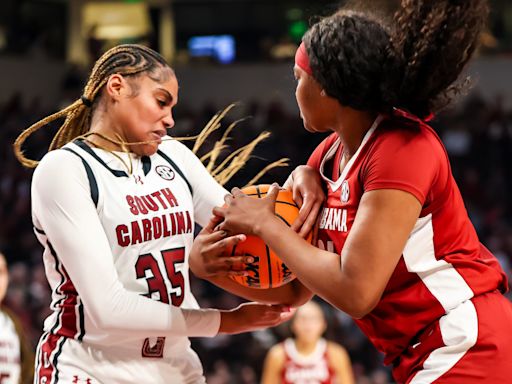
[[162, 103]]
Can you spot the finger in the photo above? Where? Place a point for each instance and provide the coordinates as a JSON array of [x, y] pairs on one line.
[[214, 237], [273, 191], [285, 316], [228, 199], [237, 262], [281, 308], [228, 270], [237, 192], [219, 211], [299, 220], [303, 215], [224, 226], [214, 221], [235, 268], [297, 196], [238, 273], [310, 221], [228, 242]]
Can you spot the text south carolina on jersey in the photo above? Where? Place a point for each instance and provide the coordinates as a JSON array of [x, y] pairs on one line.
[[156, 227]]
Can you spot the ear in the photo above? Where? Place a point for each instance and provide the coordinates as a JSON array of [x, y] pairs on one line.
[[116, 86]]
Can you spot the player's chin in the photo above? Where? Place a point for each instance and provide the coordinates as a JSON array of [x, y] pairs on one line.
[[308, 127], [148, 149]]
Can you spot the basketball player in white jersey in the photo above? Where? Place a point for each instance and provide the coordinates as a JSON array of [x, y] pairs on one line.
[[114, 204], [308, 358], [15, 359]]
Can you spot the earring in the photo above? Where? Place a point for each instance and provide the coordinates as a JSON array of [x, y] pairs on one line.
[[322, 93]]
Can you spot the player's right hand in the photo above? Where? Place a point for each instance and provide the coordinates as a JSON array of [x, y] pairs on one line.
[[250, 317], [209, 257]]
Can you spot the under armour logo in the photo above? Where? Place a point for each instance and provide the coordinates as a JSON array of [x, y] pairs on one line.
[[165, 172], [138, 179]]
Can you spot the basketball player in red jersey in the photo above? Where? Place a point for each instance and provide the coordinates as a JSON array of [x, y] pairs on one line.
[[397, 249], [308, 358]]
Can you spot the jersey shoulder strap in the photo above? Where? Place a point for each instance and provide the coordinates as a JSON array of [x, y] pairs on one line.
[[93, 184]]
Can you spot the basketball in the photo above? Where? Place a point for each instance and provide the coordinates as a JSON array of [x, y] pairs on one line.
[[267, 270]]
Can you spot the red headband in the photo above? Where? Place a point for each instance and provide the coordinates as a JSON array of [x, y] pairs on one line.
[[302, 59]]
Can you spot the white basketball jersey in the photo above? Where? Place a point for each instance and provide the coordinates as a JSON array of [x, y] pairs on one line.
[[10, 369], [148, 217]]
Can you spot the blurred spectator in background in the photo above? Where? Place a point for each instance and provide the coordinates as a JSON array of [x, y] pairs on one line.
[[308, 358], [16, 357]]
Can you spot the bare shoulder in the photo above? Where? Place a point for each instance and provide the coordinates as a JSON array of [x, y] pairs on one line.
[[276, 354], [336, 352]]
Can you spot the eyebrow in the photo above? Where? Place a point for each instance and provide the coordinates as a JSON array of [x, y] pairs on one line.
[[167, 93]]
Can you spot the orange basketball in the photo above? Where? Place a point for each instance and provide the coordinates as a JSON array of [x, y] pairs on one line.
[[267, 270]]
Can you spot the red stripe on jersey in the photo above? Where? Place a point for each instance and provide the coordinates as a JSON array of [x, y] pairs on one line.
[[67, 324], [48, 357], [68, 316]]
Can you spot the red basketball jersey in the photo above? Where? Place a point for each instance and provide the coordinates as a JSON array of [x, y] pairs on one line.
[[443, 263], [312, 369]]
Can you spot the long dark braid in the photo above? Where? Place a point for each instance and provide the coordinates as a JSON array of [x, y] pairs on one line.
[[127, 60]]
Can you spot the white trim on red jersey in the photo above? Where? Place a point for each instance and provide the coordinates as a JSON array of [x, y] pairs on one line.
[[438, 275], [313, 357], [334, 185], [459, 329]]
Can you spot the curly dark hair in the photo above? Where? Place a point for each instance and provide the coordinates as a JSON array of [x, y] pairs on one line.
[[412, 64]]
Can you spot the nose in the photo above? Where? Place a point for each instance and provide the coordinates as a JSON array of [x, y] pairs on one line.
[[168, 121]]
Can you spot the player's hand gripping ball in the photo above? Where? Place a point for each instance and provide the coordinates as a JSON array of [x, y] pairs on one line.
[[267, 270]]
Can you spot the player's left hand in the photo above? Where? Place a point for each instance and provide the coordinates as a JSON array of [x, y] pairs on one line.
[[249, 317], [245, 214], [208, 255], [308, 193]]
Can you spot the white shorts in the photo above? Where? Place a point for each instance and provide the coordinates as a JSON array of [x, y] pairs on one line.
[[63, 360]]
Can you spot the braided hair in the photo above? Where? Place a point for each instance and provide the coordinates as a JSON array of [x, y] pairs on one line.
[[412, 64], [128, 60]]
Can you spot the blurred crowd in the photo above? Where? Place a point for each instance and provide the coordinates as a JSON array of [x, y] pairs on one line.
[[478, 138]]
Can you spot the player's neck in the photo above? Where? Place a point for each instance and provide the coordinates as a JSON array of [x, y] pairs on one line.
[[100, 142], [352, 127], [104, 134], [305, 348]]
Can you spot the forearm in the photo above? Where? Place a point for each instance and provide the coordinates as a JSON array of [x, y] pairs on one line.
[[308, 262], [130, 312], [293, 294]]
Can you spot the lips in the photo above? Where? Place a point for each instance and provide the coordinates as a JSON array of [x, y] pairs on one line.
[[158, 135]]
